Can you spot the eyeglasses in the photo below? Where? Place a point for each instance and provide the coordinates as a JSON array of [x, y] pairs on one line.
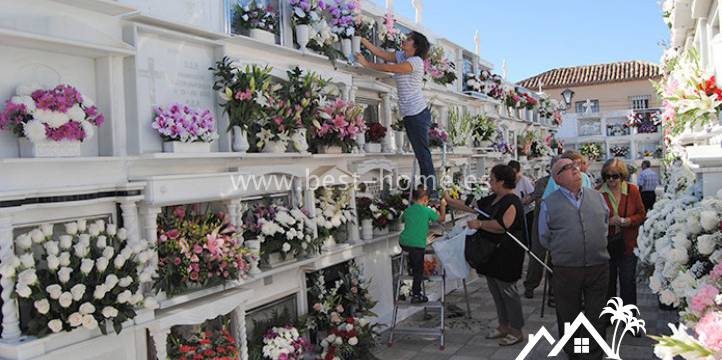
[[612, 176], [567, 167]]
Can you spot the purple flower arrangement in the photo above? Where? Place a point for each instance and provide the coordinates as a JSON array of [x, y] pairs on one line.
[[437, 135], [255, 16], [185, 124], [342, 19], [58, 114], [306, 12]]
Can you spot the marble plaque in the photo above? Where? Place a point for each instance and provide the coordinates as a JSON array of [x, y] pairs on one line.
[[203, 14]]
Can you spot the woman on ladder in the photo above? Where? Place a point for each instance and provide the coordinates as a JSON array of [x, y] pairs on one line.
[[407, 66]]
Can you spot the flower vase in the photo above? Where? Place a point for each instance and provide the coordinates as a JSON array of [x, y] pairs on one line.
[[48, 149], [275, 147], [356, 44], [298, 139], [254, 248], [186, 147], [302, 36], [240, 139], [360, 141], [330, 149], [329, 243], [399, 139], [346, 47], [381, 232], [373, 148], [367, 229], [263, 36]]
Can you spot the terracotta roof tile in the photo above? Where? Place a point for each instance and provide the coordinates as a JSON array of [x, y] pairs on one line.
[[593, 74]]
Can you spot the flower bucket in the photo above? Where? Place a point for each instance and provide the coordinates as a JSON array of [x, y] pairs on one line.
[[240, 140], [367, 229], [48, 149], [346, 47], [373, 148], [275, 147], [184, 147], [263, 36], [399, 139], [298, 139], [302, 36], [329, 243], [325, 149], [356, 44], [254, 247]]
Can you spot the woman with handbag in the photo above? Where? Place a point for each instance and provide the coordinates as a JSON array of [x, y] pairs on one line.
[[502, 261], [626, 215]]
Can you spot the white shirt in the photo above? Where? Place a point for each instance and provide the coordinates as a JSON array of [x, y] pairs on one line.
[[409, 86], [524, 187]]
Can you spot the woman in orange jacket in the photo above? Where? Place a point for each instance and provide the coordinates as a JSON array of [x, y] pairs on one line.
[[626, 215]]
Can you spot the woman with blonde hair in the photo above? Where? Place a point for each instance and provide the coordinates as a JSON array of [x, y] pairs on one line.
[[626, 215]]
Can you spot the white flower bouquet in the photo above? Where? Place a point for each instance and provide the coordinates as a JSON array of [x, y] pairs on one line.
[[332, 210], [88, 277], [284, 343], [281, 230]]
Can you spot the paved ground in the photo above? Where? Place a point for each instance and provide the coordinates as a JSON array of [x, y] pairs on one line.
[[465, 337]]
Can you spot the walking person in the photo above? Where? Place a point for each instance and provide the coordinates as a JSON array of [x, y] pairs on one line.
[[648, 182], [573, 223], [504, 268], [407, 66], [626, 215], [524, 189]]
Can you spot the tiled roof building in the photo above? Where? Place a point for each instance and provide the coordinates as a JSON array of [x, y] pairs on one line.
[[593, 74]]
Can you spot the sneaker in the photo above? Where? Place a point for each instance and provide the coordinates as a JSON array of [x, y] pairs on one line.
[[529, 293], [419, 299]]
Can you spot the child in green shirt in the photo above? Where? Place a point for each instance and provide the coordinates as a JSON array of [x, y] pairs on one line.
[[413, 239]]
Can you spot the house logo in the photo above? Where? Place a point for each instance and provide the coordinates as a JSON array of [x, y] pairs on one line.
[[622, 317]]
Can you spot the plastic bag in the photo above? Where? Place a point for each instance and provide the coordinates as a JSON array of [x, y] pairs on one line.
[[450, 251]]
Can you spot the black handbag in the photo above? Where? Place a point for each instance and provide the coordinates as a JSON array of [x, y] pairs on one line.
[[480, 247]]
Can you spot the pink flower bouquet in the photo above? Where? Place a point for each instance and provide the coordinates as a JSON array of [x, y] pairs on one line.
[[58, 114], [184, 123], [340, 122]]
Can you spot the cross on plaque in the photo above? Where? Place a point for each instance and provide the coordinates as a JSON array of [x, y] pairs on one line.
[[152, 75], [588, 106]]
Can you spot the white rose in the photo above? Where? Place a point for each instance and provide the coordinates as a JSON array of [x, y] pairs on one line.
[[53, 262], [126, 281], [23, 242], [27, 260], [110, 312], [81, 250], [353, 341], [42, 306], [27, 277], [86, 266], [47, 230], [122, 234], [119, 261], [34, 130], [101, 263], [150, 303], [51, 247], [55, 325], [66, 241], [64, 258], [339, 341], [363, 322], [54, 291], [124, 297], [108, 252], [667, 297], [143, 257], [82, 225], [110, 281], [89, 322], [100, 291], [66, 299], [101, 242], [64, 274], [76, 113], [679, 256], [71, 228], [75, 319], [136, 298], [37, 236], [127, 252], [23, 291], [94, 230], [78, 291], [286, 247], [706, 244], [87, 308], [145, 277], [84, 239], [100, 223], [709, 220], [111, 229]]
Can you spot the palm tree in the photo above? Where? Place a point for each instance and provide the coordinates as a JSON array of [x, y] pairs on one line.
[[619, 313], [632, 325]]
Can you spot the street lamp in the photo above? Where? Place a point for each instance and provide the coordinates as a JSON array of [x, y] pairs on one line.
[[568, 94]]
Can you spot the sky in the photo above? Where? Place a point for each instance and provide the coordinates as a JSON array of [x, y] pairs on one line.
[[534, 36]]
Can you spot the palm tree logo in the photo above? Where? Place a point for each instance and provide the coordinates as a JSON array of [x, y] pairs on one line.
[[621, 313]]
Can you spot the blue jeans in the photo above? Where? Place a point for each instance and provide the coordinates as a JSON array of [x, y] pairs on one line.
[[417, 129]]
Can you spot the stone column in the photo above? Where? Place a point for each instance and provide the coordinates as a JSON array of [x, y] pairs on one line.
[[149, 214], [388, 145], [354, 237], [310, 206], [444, 116], [130, 220], [239, 325], [11, 318], [233, 207]]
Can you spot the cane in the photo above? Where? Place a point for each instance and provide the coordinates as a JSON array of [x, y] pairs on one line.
[[544, 295], [531, 254]]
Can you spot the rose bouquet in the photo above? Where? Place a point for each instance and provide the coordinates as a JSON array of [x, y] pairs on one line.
[[438, 67], [280, 230], [332, 210], [206, 345], [198, 250], [619, 151], [338, 124], [549, 108], [352, 339], [437, 135], [389, 35], [284, 343], [472, 82], [89, 277], [255, 16], [494, 86], [592, 151], [376, 132], [61, 113], [184, 123]]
